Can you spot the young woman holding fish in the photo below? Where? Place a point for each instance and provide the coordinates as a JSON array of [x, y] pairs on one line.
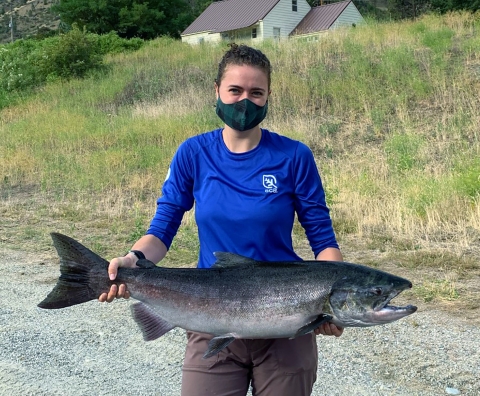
[[247, 184]]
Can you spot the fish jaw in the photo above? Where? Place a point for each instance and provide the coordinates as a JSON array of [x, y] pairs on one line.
[[389, 313], [385, 313]]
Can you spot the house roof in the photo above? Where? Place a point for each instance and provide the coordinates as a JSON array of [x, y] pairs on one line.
[[222, 16], [320, 18]]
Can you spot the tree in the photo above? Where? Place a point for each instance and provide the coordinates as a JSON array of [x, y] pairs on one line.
[[129, 18], [198, 6], [469, 5], [409, 8], [455, 5]]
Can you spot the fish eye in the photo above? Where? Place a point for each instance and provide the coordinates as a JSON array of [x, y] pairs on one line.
[[377, 291]]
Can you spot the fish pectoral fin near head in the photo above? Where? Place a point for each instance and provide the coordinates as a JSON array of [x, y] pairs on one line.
[[216, 344], [152, 325], [308, 328]]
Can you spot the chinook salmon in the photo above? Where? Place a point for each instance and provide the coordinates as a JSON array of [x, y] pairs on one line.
[[237, 298]]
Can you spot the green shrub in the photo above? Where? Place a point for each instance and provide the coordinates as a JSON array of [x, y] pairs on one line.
[[467, 180], [111, 43], [26, 64], [70, 55], [18, 65]]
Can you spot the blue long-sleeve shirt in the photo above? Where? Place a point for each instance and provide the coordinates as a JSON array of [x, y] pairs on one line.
[[244, 203]]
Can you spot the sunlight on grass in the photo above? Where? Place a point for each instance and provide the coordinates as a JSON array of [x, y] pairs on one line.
[[442, 290]]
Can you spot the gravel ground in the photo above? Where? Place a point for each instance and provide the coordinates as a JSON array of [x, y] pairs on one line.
[[97, 349]]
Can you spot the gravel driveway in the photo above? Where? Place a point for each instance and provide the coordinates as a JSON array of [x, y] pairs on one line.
[[97, 349]]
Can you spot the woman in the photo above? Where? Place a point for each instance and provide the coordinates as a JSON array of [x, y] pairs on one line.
[[247, 183]]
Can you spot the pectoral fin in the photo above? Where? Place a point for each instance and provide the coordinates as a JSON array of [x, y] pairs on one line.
[[152, 325], [308, 328], [216, 344]]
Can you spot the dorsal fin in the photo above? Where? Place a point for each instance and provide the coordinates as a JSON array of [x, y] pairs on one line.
[[228, 260], [145, 264]]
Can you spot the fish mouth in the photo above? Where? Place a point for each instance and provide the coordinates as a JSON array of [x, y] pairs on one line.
[[384, 312], [409, 309], [384, 304], [391, 313]]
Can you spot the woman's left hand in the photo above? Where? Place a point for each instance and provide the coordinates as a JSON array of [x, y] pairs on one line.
[[330, 329]]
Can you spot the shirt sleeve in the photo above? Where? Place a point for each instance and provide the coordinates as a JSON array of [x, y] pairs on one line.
[[310, 203], [176, 198]]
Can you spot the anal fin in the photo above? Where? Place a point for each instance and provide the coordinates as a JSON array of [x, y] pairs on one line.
[[216, 344]]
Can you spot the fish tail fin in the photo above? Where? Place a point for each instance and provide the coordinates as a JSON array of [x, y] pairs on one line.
[[76, 284]]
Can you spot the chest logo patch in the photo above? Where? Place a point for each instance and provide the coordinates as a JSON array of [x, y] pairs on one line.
[[270, 183]]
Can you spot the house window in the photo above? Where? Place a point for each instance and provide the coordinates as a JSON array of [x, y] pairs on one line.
[[294, 5], [276, 33], [254, 33]]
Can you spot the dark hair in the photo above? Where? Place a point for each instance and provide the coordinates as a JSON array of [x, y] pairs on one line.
[[244, 55]]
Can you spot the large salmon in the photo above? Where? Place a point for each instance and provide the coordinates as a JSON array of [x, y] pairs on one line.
[[237, 298]]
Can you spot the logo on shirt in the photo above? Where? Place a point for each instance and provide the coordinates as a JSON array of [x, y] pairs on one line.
[[168, 174], [270, 183]]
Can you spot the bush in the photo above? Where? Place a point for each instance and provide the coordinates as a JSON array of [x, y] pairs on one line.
[[70, 55], [112, 44], [26, 64]]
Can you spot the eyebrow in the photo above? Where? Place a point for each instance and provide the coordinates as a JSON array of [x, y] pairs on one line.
[[252, 89]]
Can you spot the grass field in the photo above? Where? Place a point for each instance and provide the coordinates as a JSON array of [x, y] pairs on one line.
[[391, 112]]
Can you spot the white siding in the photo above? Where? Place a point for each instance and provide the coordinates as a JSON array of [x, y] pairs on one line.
[[204, 37], [284, 18], [245, 34], [311, 36], [348, 17]]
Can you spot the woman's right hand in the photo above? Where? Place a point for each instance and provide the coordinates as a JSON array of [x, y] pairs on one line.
[[118, 291]]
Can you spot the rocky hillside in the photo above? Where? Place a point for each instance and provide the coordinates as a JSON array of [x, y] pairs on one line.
[[30, 17]]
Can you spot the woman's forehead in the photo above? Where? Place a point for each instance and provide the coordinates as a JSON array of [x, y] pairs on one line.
[[245, 73]]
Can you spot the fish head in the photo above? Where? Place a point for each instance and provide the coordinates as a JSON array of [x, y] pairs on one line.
[[361, 301]]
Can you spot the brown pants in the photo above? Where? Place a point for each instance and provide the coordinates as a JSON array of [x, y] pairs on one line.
[[275, 367]]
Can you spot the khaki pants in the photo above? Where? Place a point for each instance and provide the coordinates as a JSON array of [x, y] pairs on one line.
[[275, 367]]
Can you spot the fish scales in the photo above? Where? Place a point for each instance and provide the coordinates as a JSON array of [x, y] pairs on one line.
[[221, 297]]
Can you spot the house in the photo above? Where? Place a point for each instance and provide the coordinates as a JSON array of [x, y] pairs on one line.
[[327, 17], [246, 20], [257, 20]]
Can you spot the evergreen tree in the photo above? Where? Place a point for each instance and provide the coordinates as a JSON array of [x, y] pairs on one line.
[[409, 8], [469, 5], [455, 5], [129, 18]]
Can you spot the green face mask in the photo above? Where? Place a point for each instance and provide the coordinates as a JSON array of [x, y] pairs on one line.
[[242, 115]]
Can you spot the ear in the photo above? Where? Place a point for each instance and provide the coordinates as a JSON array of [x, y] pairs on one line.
[[216, 89]]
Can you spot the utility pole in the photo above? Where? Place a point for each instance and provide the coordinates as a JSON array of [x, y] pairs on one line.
[[11, 27]]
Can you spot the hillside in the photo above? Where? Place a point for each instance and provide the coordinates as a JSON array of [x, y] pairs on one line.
[[29, 18]]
